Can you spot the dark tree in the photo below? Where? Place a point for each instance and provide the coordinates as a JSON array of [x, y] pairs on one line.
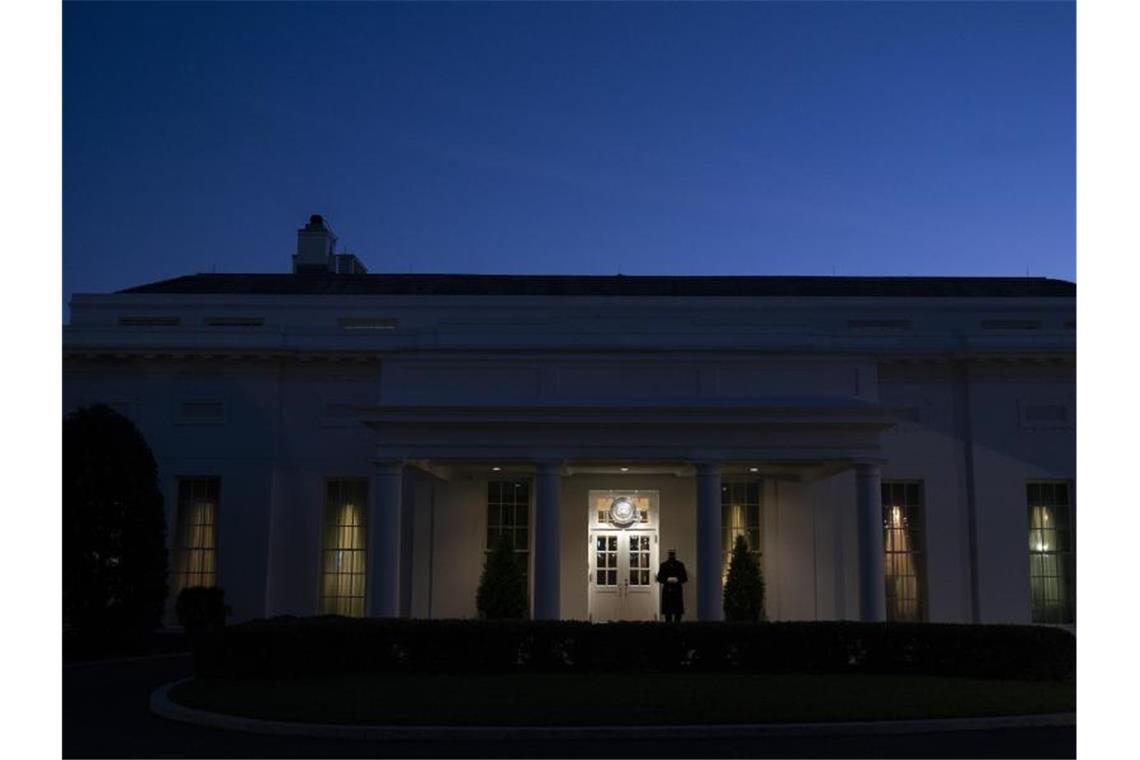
[[502, 591], [744, 589], [114, 529]]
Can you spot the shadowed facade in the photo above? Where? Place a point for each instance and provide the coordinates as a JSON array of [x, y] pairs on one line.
[[336, 441]]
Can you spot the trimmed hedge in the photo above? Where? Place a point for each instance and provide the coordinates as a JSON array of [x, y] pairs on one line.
[[286, 647], [201, 608]]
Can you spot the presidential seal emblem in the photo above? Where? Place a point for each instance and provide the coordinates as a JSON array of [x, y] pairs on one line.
[[623, 512]]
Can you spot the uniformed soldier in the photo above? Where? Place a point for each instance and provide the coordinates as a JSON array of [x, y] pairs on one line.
[[672, 577]]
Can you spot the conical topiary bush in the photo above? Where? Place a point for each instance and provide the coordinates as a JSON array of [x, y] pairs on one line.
[[744, 588], [502, 593]]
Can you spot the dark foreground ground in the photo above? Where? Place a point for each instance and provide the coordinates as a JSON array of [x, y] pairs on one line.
[[620, 699], [106, 714]]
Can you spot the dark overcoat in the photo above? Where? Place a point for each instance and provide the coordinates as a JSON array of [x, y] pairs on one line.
[[672, 594]]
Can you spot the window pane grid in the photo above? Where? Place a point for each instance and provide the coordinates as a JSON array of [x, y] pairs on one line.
[[904, 560], [740, 509], [1051, 567], [606, 559], [196, 547], [343, 557], [638, 560], [508, 517]]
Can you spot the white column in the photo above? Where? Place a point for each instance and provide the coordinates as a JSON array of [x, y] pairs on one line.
[[872, 582], [547, 541], [710, 595], [384, 539]]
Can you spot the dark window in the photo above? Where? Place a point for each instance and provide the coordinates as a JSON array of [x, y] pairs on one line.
[[149, 321], [235, 321], [508, 516], [1011, 324], [882, 324], [366, 323]]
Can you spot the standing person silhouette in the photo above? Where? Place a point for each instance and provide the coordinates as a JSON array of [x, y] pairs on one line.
[[672, 577]]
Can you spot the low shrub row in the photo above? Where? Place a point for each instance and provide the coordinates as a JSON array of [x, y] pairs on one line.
[[286, 647]]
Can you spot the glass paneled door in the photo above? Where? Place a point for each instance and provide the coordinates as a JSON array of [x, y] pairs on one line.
[[623, 587], [623, 556]]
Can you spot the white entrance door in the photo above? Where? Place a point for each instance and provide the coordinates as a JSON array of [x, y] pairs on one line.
[[621, 577], [623, 560]]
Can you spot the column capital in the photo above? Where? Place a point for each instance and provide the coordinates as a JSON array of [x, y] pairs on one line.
[[549, 467], [707, 465], [869, 468], [388, 466]]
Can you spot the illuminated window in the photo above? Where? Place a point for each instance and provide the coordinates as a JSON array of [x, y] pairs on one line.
[[197, 539], [606, 560], [639, 560], [903, 551], [343, 560], [1051, 568], [606, 499], [740, 516], [508, 517]]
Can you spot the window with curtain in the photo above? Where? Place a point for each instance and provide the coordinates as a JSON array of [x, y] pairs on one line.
[[508, 516], [1051, 566], [903, 551], [344, 558], [740, 514], [196, 552]]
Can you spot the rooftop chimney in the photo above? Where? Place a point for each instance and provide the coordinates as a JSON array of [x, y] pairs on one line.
[[315, 243], [316, 253]]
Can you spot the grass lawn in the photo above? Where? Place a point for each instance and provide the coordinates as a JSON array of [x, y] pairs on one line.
[[621, 699]]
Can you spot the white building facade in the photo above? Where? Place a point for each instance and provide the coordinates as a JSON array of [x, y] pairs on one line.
[[332, 441]]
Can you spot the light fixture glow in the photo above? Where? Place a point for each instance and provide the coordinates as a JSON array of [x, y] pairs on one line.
[[754, 469], [496, 468], [625, 469]]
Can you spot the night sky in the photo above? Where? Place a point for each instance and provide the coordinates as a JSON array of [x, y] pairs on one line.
[[787, 138]]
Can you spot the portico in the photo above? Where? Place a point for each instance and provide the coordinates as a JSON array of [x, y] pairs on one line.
[[677, 458]]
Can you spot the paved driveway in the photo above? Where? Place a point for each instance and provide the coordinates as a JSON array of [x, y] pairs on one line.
[[106, 714]]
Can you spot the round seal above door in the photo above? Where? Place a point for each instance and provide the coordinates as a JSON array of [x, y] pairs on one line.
[[622, 512]]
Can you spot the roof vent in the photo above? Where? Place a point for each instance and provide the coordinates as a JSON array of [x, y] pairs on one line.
[[316, 253]]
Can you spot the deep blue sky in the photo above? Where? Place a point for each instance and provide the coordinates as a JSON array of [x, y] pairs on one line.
[[787, 138]]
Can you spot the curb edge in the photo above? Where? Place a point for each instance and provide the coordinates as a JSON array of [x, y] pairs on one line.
[[162, 705]]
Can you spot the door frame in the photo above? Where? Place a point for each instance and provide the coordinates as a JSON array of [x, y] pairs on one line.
[[598, 525]]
